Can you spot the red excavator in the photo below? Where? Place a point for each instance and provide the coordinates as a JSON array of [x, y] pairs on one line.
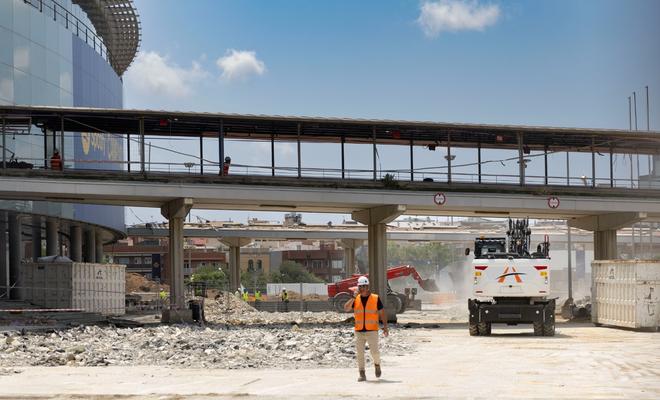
[[340, 292]]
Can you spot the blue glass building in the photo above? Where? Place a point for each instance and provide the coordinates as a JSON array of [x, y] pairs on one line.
[[63, 53]]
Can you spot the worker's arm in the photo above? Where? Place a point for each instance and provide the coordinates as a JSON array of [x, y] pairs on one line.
[[348, 306], [383, 318]]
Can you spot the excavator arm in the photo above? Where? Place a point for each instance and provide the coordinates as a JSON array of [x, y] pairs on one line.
[[428, 285], [344, 286]]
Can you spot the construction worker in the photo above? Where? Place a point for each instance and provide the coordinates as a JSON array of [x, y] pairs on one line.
[[56, 161], [367, 308], [163, 295], [285, 299], [246, 296], [257, 295], [225, 167]]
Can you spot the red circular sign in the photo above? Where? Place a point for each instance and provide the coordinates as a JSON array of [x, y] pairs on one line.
[[440, 199], [553, 202]]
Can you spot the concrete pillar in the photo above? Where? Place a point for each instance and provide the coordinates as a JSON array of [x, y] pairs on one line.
[[235, 245], [234, 268], [75, 243], [377, 237], [605, 246], [90, 246], [376, 220], [4, 271], [52, 239], [99, 256], [350, 246], [604, 227], [36, 237], [14, 228], [176, 211]]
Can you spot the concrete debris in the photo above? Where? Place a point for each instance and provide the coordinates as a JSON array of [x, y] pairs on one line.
[[228, 309], [192, 346]]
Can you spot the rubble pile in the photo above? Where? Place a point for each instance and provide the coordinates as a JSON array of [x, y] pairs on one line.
[[227, 303], [138, 283], [284, 346], [228, 309]]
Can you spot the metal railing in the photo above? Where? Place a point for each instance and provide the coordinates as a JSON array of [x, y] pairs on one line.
[[60, 14], [440, 175]]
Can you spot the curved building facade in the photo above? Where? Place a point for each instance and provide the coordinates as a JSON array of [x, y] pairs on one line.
[[63, 53]]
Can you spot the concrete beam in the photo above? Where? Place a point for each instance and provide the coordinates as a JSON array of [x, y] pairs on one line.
[[605, 222], [176, 211], [236, 241], [378, 215], [316, 196], [178, 208]]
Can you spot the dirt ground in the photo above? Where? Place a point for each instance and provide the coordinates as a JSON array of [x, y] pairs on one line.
[[138, 283], [580, 362]]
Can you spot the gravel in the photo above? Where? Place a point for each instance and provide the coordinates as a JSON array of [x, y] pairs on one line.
[[192, 346]]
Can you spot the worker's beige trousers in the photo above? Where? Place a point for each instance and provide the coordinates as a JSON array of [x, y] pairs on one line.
[[370, 337]]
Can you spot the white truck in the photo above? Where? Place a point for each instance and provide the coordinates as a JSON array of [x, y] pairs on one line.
[[511, 286]]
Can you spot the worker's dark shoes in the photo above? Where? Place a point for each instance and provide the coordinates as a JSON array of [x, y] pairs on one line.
[[378, 371], [363, 377]]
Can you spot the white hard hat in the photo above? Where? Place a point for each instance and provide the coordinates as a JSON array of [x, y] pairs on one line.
[[363, 280]]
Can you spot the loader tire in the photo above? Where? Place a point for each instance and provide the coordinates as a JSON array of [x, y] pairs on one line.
[[404, 303], [484, 328], [474, 330], [395, 302], [339, 301], [538, 328], [549, 329]]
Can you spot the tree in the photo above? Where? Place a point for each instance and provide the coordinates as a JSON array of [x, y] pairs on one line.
[[424, 257], [248, 280], [292, 272], [211, 275]]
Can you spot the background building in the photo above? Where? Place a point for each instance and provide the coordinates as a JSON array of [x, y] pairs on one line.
[[62, 53], [327, 262]]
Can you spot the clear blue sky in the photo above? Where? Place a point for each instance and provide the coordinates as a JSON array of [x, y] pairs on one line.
[[559, 62]]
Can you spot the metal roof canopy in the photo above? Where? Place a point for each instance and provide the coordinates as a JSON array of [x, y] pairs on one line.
[[117, 22], [335, 130]]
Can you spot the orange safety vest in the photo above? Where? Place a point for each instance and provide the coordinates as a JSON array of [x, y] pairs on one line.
[[366, 317], [56, 162]]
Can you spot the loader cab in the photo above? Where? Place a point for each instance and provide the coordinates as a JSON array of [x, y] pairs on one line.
[[489, 248]]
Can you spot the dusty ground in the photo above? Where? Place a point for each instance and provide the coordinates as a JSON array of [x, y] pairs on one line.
[[581, 362]]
